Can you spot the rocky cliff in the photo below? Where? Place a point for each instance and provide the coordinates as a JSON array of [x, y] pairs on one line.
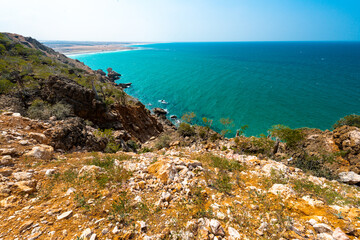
[[41, 74]]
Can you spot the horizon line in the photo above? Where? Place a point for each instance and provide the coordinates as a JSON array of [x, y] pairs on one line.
[[156, 42]]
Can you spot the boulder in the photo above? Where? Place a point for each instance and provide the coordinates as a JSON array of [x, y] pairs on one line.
[[6, 160], [8, 151], [322, 228], [339, 235], [216, 228], [41, 152], [324, 236], [349, 177], [39, 137], [19, 176], [277, 167], [86, 234], [233, 234], [65, 215], [26, 186]]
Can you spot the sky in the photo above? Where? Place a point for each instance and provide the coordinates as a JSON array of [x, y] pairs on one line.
[[183, 20]]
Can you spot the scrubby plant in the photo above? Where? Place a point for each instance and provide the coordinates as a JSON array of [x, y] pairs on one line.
[[132, 144], [214, 137], [227, 124], [255, 145], [111, 146], [163, 142], [292, 137], [61, 110], [350, 120], [6, 86], [40, 109], [145, 150], [316, 165], [207, 122], [188, 117], [186, 130]]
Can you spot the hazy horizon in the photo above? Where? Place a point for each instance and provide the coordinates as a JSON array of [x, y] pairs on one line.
[[183, 21]]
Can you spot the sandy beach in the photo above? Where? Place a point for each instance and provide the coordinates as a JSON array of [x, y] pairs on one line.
[[74, 48]]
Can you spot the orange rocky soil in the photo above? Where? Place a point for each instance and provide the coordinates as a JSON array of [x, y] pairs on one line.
[[175, 193]]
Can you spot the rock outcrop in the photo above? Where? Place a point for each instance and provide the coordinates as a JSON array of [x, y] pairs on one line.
[[348, 140], [112, 75]]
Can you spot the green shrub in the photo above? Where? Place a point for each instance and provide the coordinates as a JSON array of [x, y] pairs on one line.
[[255, 145], [214, 137], [6, 86], [227, 123], [292, 137], [350, 120], [316, 165], [132, 144], [61, 110], [2, 49], [145, 150], [186, 130], [112, 147], [40, 109], [188, 117], [163, 142]]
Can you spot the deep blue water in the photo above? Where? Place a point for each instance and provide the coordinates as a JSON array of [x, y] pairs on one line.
[[298, 84]]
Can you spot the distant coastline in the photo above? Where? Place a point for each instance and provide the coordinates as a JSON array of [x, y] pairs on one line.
[[78, 48]]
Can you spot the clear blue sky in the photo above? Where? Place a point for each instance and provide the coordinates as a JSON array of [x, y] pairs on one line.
[[183, 20]]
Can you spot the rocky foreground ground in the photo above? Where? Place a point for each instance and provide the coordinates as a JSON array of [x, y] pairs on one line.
[[175, 193]]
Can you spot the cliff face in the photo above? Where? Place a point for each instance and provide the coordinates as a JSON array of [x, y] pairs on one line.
[[40, 73]]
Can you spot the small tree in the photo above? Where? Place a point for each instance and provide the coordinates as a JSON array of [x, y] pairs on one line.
[[188, 117], [292, 137], [207, 122], [227, 123], [350, 120], [241, 130]]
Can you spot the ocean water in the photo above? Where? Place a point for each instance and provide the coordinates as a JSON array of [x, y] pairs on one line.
[[260, 84]]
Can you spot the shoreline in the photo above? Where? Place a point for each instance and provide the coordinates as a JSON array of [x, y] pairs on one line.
[[89, 52], [80, 48]]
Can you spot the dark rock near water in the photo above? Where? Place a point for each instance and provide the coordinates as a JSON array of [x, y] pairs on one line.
[[159, 112], [112, 75], [101, 72], [124, 85]]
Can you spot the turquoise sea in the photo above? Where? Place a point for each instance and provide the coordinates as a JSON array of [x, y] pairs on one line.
[[298, 84]]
